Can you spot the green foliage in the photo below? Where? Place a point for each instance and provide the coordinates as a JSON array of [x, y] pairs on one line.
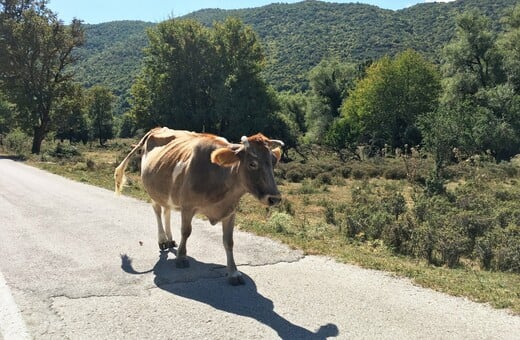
[[127, 127], [330, 82], [204, 79], [7, 115], [295, 38], [17, 142], [280, 222], [70, 117], [64, 151], [509, 45], [100, 112], [480, 108], [384, 106], [112, 57]]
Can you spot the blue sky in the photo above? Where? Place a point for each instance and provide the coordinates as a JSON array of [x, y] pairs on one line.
[[97, 11]]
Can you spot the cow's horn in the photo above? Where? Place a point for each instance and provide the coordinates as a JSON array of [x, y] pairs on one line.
[[276, 142], [244, 141]]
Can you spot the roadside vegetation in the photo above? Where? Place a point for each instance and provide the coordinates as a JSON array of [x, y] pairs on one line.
[[377, 213]]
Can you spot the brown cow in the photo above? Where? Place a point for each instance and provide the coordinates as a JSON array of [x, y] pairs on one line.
[[203, 173]]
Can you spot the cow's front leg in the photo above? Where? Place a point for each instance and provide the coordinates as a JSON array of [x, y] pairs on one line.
[[234, 276], [186, 216]]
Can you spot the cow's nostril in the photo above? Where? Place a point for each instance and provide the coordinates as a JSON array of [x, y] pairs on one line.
[[273, 200]]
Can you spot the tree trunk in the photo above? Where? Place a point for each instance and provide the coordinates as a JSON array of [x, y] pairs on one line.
[[39, 135]]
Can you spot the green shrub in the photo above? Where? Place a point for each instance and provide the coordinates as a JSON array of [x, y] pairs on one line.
[[307, 188], [358, 174], [484, 251], [65, 151], [395, 204], [508, 249], [280, 222], [18, 143], [294, 175], [286, 207], [452, 244], [324, 178], [398, 236], [394, 173], [422, 242], [330, 217]]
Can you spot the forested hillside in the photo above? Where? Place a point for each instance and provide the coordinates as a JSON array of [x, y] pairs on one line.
[[295, 38], [112, 56]]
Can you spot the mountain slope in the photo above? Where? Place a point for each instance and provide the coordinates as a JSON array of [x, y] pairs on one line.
[[295, 37]]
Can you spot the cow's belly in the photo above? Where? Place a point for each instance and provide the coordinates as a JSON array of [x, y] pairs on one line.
[[164, 185]]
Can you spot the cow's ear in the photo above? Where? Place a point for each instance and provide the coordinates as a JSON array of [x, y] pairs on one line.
[[224, 157], [277, 154]]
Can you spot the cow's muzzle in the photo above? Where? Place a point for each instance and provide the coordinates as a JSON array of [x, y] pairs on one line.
[[273, 200]]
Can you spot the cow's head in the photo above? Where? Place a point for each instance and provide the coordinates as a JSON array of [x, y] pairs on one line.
[[255, 158]]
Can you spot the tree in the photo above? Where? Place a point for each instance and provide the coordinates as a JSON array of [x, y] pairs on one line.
[[204, 79], [509, 45], [35, 52], [471, 60], [100, 111], [384, 106], [244, 104], [70, 117], [479, 96], [7, 113], [330, 82], [176, 83]]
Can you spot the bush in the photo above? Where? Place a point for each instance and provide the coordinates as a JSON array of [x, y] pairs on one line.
[[324, 178], [280, 222], [395, 173], [452, 244], [358, 174], [65, 151], [398, 236], [294, 175], [395, 204], [508, 249], [307, 188], [18, 143]]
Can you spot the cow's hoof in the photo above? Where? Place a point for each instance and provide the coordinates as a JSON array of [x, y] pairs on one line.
[[182, 263], [167, 245], [236, 280]]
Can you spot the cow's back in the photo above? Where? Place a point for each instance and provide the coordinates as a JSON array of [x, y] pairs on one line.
[[174, 161]]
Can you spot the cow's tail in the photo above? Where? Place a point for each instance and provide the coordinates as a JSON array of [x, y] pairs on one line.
[[119, 173]]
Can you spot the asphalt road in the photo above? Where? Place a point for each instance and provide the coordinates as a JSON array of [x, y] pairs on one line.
[[77, 262]]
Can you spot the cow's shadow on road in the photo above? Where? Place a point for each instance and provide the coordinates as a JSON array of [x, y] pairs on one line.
[[205, 282]]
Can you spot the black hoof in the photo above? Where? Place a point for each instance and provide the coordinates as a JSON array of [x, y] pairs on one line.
[[236, 280], [182, 263], [167, 245]]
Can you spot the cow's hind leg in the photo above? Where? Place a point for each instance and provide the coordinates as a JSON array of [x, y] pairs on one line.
[[234, 276], [166, 213], [186, 216], [161, 235]]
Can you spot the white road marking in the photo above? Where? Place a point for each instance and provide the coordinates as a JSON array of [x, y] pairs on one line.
[[12, 325]]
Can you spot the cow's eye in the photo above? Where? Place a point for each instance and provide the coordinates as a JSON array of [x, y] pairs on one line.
[[253, 165]]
